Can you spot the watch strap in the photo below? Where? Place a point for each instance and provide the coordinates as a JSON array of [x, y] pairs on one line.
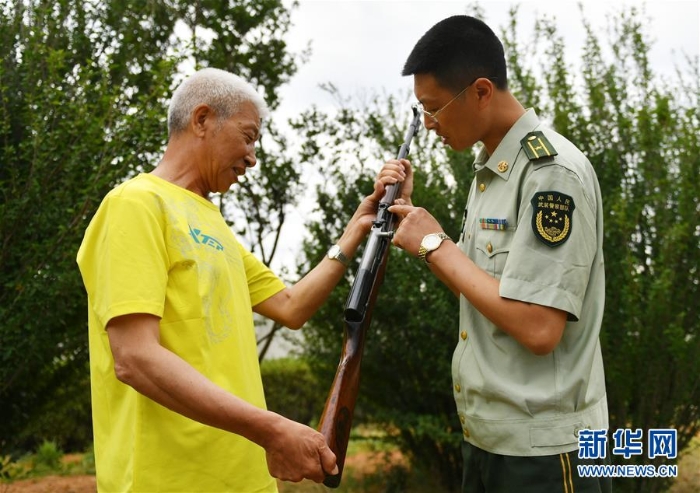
[[335, 253], [423, 251]]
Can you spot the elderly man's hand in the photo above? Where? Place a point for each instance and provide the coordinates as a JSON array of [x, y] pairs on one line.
[[298, 452]]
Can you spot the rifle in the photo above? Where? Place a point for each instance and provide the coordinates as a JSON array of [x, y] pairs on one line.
[[336, 419]]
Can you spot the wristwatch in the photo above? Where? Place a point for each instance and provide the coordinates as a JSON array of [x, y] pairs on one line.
[[335, 253], [429, 243]]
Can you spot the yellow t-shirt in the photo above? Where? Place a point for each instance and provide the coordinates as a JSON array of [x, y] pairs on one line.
[[156, 248]]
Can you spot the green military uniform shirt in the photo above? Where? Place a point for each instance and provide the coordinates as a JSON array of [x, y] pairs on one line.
[[534, 221]]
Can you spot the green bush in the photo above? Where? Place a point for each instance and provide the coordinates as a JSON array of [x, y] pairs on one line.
[[66, 420], [11, 470], [292, 390], [48, 457], [88, 462]]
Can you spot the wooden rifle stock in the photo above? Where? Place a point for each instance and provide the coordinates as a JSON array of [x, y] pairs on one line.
[[336, 419]]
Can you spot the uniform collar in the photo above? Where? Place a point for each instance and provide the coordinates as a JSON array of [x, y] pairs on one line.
[[502, 161]]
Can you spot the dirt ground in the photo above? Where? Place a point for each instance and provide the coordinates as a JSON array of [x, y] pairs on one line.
[[688, 479], [52, 484], [367, 463]]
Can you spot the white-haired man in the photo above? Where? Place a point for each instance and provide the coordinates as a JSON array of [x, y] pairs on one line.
[[178, 403]]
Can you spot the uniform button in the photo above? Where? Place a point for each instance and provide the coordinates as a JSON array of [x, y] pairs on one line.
[[482, 187], [463, 335], [457, 387], [489, 247], [466, 432], [462, 419]]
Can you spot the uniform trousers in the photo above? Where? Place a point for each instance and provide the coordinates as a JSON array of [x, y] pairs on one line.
[[485, 472]]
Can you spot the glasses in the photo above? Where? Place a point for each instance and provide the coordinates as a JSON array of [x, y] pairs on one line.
[[433, 115]]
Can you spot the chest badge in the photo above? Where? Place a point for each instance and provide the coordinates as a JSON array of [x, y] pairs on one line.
[[551, 217]]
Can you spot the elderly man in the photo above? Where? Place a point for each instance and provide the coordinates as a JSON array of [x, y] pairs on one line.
[[178, 403]]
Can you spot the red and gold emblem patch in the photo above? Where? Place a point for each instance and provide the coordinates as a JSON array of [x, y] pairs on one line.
[[551, 217]]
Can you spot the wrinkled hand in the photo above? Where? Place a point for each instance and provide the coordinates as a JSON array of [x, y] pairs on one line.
[[395, 171], [415, 223], [299, 452]]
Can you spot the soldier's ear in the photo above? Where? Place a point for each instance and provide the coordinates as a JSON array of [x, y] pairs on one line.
[[484, 89]]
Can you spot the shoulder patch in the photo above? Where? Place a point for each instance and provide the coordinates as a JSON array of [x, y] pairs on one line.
[[551, 217], [536, 146]]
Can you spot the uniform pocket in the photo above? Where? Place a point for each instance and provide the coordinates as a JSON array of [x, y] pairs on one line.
[[493, 248]]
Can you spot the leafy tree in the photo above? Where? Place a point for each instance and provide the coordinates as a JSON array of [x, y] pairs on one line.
[[83, 98], [640, 131], [66, 121]]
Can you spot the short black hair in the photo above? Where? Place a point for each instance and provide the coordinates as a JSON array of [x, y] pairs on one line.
[[458, 50]]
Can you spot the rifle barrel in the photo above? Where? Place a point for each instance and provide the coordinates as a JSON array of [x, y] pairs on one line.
[[379, 237]]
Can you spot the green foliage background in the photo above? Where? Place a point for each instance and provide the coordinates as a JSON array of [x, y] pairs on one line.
[[83, 94], [292, 389], [83, 99], [640, 131]]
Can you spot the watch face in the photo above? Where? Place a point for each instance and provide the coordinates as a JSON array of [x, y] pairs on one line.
[[432, 241], [333, 251]]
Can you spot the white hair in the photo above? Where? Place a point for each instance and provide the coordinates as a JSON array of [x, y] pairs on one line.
[[222, 90]]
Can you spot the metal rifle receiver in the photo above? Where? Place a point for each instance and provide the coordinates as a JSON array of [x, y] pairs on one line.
[[379, 237]]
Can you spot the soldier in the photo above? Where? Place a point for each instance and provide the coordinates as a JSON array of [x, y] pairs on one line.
[[527, 267]]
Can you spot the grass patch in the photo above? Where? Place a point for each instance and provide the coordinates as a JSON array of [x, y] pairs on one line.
[[48, 459]]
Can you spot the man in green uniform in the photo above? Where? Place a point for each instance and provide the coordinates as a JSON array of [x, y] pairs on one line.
[[527, 267]]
